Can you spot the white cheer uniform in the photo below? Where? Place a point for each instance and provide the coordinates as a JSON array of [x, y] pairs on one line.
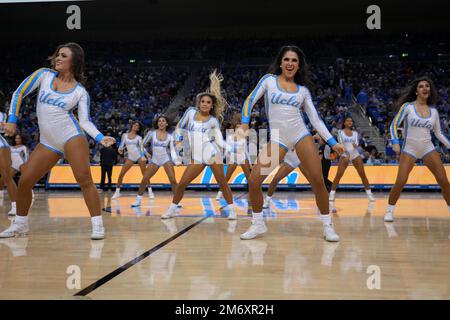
[[241, 147], [351, 152], [19, 155], [417, 131], [283, 109], [132, 146], [205, 138], [163, 151], [57, 124]]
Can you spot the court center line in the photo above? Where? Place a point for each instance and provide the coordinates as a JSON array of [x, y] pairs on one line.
[[138, 259]]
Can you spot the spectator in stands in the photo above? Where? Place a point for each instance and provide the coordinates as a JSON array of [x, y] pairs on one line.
[[362, 98]]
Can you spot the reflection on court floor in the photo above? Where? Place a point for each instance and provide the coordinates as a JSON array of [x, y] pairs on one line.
[[199, 255], [284, 204]]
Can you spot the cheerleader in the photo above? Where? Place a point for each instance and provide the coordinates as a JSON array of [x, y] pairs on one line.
[[285, 95], [350, 139], [419, 118], [290, 162], [234, 159], [5, 167], [19, 154], [61, 134], [163, 155], [131, 141], [202, 128]]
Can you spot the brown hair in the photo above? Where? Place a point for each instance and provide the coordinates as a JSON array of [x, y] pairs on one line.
[[155, 122], [78, 64]]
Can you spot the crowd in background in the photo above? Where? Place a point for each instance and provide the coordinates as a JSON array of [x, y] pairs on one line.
[[136, 82]]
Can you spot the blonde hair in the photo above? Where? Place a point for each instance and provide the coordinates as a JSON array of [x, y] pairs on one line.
[[215, 93]]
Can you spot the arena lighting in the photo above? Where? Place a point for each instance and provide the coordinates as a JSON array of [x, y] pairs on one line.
[[405, 55]]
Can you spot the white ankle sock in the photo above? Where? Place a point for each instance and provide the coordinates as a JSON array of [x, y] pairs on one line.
[[139, 197], [332, 192], [13, 204], [269, 197], [97, 220], [390, 208], [21, 219], [117, 190], [369, 192], [325, 218], [231, 206], [173, 206], [257, 217]]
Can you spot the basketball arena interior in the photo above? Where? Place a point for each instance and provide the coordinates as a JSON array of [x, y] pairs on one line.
[[149, 59]]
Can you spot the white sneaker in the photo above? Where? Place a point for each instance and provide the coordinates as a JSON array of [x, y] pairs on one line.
[[266, 203], [232, 215], [170, 213], [254, 230], [219, 195], [116, 195], [371, 197], [16, 229], [98, 232], [389, 216], [150, 194], [13, 210], [136, 203], [329, 233]]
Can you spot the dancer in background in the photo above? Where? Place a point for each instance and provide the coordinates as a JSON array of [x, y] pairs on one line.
[[290, 162], [130, 147], [350, 139], [5, 164], [163, 155], [241, 157]]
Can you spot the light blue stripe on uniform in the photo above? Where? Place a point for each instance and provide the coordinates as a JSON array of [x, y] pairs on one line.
[[406, 132], [3, 142], [246, 119], [27, 90], [51, 148], [99, 137], [393, 133], [75, 122]]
